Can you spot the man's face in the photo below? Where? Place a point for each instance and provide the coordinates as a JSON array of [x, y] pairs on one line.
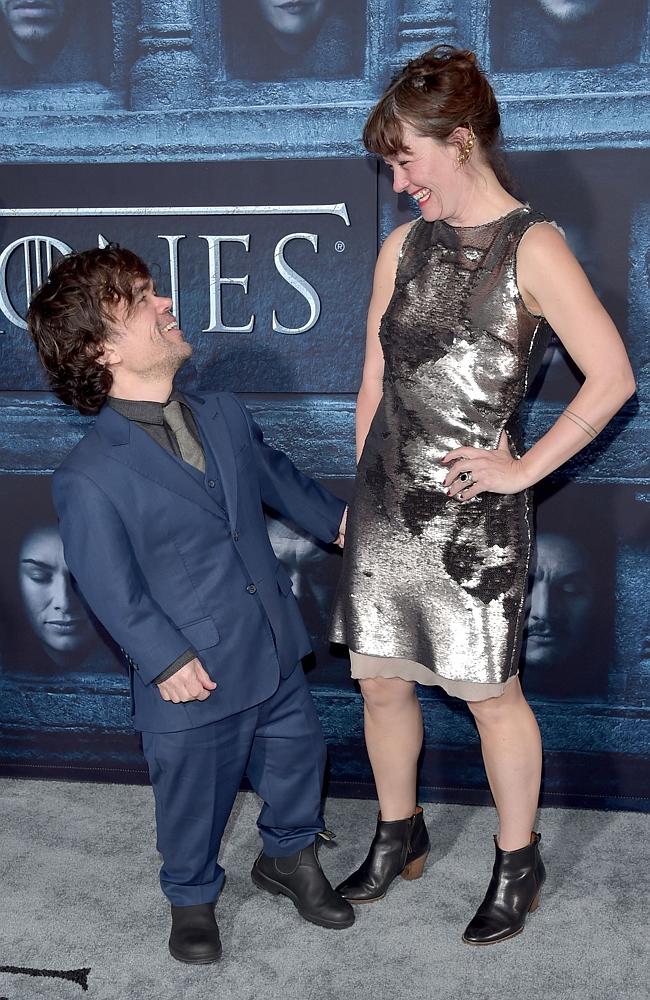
[[53, 609], [569, 10], [33, 21], [561, 602], [146, 343], [292, 17]]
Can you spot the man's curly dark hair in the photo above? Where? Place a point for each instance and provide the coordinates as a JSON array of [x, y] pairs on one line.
[[69, 320]]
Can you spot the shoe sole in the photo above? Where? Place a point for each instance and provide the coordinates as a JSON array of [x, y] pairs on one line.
[[485, 944], [277, 889], [196, 961], [412, 871]]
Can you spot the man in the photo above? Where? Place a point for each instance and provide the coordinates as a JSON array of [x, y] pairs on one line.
[[290, 40], [565, 34], [35, 27], [45, 42], [567, 643], [161, 513]]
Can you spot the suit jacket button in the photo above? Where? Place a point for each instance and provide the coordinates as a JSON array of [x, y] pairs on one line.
[[235, 536], [211, 483], [251, 588]]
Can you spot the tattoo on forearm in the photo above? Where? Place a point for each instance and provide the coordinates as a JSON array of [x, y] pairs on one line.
[[580, 422]]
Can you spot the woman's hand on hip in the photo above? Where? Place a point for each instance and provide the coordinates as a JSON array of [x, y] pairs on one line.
[[481, 470]]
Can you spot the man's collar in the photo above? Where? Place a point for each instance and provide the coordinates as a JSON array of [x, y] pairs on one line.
[[143, 411]]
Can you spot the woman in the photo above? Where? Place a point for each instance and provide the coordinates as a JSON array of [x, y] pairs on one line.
[[45, 627], [57, 617], [438, 545]]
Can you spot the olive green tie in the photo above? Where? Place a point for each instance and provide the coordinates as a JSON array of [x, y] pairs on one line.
[[191, 451]]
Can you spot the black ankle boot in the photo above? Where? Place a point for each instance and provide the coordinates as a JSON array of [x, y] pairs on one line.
[[195, 935], [399, 847], [513, 893], [301, 878]]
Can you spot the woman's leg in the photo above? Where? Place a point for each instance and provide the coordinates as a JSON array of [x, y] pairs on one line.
[[393, 723], [393, 730], [512, 753]]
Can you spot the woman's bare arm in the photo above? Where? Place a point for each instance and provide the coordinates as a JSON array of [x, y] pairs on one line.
[[553, 284], [371, 389]]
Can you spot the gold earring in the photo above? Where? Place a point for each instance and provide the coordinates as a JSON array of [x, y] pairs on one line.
[[466, 151]]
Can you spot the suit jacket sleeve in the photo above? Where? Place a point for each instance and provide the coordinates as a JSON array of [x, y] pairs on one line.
[[289, 491], [100, 557]]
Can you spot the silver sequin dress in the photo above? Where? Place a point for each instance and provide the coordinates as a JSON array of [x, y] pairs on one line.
[[431, 589]]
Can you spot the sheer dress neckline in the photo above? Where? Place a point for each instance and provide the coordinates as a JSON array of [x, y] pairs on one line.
[[492, 222]]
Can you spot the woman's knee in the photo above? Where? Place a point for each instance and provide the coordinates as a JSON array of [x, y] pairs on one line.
[[494, 710], [382, 693]]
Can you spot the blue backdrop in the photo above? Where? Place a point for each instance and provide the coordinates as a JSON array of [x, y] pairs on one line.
[[225, 149]]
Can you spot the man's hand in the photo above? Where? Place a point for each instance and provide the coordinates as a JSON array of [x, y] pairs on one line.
[[340, 538], [190, 683]]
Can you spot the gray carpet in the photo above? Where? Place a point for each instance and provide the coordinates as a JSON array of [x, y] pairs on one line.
[[79, 890]]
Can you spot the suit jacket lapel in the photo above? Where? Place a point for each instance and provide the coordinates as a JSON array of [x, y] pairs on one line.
[[217, 442], [133, 447]]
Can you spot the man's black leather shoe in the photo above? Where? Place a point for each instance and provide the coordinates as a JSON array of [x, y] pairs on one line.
[[301, 878], [195, 935]]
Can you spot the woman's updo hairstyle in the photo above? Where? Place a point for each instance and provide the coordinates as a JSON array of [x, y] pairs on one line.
[[441, 90]]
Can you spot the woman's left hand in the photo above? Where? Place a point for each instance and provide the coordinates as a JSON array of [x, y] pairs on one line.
[[490, 471]]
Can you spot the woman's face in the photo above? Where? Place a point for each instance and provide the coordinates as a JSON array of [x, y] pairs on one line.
[[54, 611], [292, 17], [428, 171]]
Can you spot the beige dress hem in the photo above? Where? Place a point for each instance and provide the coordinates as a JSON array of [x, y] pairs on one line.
[[365, 667]]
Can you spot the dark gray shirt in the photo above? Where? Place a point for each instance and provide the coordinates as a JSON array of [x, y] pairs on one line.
[[148, 415]]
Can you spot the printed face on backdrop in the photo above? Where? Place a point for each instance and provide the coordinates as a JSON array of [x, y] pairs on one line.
[[33, 26], [305, 562], [294, 39], [580, 239], [561, 604], [146, 341], [569, 10], [55, 613], [293, 17], [565, 34]]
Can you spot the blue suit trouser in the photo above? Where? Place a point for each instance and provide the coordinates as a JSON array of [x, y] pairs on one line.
[[196, 774]]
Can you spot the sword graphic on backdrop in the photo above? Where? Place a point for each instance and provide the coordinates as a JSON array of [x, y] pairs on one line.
[[79, 976], [41, 248]]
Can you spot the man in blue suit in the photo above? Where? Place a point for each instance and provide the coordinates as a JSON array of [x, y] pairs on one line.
[[162, 520]]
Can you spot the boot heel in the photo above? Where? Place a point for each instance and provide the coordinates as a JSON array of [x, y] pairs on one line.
[[535, 903], [391, 854], [414, 868]]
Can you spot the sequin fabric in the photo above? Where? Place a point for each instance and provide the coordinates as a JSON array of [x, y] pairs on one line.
[[425, 577]]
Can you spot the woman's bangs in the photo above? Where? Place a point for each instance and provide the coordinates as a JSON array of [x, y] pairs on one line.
[[383, 133]]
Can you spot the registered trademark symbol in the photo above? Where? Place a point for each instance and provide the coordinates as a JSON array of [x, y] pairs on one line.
[[339, 246]]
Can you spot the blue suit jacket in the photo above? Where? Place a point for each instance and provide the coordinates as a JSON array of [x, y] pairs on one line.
[[164, 565]]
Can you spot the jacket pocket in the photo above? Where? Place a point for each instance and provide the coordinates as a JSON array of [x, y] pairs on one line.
[[285, 583], [201, 634]]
